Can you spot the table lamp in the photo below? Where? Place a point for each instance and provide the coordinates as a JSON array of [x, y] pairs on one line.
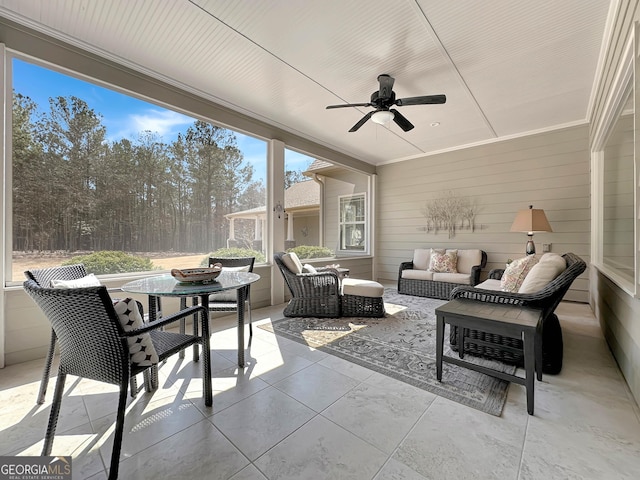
[[530, 221]]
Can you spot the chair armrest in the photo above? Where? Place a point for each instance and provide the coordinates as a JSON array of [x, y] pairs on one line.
[[496, 273], [406, 266], [483, 295], [164, 321], [318, 284], [475, 274]]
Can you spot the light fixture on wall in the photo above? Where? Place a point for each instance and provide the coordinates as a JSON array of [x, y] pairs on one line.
[[530, 221], [382, 117], [279, 209]]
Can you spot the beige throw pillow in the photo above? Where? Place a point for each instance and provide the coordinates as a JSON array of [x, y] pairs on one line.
[[548, 268], [292, 262]]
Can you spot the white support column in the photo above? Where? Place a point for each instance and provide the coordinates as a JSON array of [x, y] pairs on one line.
[[275, 194], [290, 227], [232, 231], [258, 229]]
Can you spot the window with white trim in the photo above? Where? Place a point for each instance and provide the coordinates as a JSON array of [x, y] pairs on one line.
[[353, 223]]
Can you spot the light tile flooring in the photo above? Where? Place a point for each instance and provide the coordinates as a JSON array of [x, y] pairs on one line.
[[296, 413]]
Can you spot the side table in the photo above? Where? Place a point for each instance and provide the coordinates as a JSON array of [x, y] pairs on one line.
[[501, 319]]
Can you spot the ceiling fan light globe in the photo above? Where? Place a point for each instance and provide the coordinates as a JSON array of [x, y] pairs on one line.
[[382, 117]]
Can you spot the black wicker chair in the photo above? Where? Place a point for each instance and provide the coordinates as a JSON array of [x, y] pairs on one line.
[[507, 349], [94, 345], [313, 294], [43, 277], [223, 302]]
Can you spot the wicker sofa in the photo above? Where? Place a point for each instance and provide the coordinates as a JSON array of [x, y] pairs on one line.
[[414, 278], [509, 350]]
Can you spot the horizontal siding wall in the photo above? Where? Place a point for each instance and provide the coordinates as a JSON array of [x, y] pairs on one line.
[[547, 170], [616, 310]]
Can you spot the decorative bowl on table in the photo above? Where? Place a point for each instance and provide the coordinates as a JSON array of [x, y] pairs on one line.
[[196, 275]]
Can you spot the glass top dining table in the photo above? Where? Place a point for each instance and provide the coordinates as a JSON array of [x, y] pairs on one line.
[[167, 286]]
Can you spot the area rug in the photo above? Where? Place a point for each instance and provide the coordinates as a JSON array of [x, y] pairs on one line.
[[402, 345]]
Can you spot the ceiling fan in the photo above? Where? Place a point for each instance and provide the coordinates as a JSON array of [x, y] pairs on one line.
[[384, 99]]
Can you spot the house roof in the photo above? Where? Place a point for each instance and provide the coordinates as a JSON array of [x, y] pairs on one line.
[[299, 196], [507, 68]]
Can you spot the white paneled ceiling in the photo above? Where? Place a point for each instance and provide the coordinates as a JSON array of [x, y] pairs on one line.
[[507, 67]]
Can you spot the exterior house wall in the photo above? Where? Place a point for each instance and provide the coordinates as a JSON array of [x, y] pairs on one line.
[[548, 170], [348, 183], [617, 311]]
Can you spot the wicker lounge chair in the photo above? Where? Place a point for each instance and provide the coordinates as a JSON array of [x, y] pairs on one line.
[[93, 344], [509, 350], [313, 294]]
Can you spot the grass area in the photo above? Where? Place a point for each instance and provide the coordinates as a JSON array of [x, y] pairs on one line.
[[26, 261]]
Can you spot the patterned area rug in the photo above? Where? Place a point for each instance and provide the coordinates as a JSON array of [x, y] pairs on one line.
[[401, 345]]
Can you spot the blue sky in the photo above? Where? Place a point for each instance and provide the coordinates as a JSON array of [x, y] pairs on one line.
[[125, 116]]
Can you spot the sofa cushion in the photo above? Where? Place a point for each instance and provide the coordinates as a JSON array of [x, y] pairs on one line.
[[444, 262], [549, 267], [467, 259], [292, 262], [362, 288], [516, 272], [417, 274], [490, 284], [462, 278], [421, 258]]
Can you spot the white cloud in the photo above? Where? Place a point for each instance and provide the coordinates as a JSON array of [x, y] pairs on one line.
[[163, 122]]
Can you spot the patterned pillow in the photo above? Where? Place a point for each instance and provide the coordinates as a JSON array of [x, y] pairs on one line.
[[141, 349], [444, 262], [516, 272]]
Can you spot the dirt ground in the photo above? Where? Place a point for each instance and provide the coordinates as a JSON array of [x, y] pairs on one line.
[[27, 261]]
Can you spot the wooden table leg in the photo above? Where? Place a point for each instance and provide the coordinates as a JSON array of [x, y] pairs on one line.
[[439, 345], [539, 330], [529, 367]]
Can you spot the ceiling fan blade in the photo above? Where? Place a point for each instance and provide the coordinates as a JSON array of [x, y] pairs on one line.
[[351, 105], [424, 100], [361, 122], [401, 120], [386, 86]]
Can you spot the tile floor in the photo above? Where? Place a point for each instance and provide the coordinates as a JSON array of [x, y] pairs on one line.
[[296, 413]]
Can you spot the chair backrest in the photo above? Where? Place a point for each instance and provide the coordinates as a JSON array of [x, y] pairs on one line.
[[234, 262], [43, 276], [555, 290], [289, 276], [92, 349]]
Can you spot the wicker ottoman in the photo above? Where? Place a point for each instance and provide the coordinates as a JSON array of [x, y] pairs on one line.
[[362, 298]]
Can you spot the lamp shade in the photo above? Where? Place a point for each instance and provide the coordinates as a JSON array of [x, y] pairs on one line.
[[531, 220], [382, 117]]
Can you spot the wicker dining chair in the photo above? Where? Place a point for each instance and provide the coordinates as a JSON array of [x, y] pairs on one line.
[[227, 301], [43, 277], [93, 344]]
